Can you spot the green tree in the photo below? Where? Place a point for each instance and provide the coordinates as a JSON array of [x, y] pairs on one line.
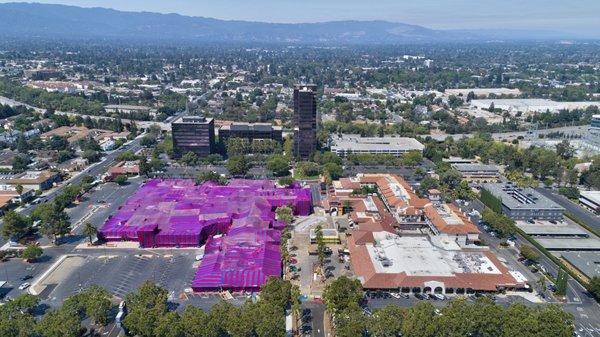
[[15, 225], [20, 163], [565, 150], [387, 322], [412, 158], [121, 179], [307, 169], [320, 244], [594, 287], [189, 159], [32, 253], [295, 299], [591, 178], [238, 166], [19, 189], [518, 322], [285, 214], [194, 322], [145, 308], [288, 147], [210, 176], [278, 165], [562, 280], [286, 181], [24, 303], [333, 170], [145, 167], [351, 322], [241, 321], [553, 321], [529, 253], [22, 145], [269, 319], [169, 325], [541, 284], [148, 141], [341, 293], [91, 156], [90, 231], [54, 221], [59, 323], [277, 291], [214, 322], [420, 321]]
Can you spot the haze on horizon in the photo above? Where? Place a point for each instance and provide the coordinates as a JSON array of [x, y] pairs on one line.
[[574, 16]]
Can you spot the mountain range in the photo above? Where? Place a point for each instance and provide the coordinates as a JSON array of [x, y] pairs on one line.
[[34, 20]]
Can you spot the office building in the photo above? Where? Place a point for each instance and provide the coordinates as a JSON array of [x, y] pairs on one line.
[[305, 118], [478, 172], [193, 134], [344, 145], [251, 131], [524, 203]]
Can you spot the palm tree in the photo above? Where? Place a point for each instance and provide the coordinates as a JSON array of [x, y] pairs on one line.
[[296, 304], [89, 230]]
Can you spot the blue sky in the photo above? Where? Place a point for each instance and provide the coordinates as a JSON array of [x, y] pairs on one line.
[[561, 15]]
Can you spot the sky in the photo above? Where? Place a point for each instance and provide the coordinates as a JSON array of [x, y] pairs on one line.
[[575, 16]]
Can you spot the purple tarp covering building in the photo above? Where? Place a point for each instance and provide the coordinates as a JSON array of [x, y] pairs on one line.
[[236, 221]]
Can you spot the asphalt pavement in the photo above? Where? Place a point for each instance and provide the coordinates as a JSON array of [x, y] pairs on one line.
[[312, 322]]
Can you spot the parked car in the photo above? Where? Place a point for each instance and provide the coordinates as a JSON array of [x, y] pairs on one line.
[[438, 297], [420, 296], [395, 295], [26, 277], [24, 286]]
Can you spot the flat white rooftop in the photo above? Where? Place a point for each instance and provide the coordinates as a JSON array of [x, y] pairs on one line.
[[356, 143], [417, 256]]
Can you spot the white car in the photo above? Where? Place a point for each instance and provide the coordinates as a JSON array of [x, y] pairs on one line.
[[439, 297], [395, 295], [24, 286]]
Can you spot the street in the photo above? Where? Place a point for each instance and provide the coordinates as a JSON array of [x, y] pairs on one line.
[[583, 214]]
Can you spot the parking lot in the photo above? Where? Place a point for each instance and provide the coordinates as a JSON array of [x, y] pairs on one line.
[[101, 202], [121, 272]]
